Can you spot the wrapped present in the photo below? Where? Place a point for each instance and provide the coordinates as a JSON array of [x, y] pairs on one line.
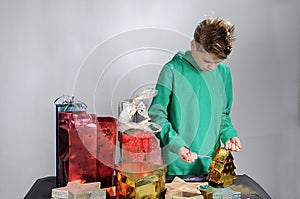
[[179, 188], [140, 180], [140, 172], [137, 139], [138, 146], [75, 190], [226, 193], [221, 170], [210, 192], [85, 146]]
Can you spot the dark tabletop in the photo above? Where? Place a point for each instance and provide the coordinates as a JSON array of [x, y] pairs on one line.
[[41, 189]]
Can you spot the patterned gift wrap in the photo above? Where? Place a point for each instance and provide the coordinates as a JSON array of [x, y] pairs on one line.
[[221, 170], [139, 146]]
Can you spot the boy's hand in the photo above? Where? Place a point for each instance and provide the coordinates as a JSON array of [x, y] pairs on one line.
[[186, 155], [234, 144]]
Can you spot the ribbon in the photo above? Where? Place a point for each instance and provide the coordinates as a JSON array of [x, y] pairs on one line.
[[134, 114], [70, 100]]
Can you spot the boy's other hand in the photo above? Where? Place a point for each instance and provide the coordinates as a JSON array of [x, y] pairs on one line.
[[234, 144]]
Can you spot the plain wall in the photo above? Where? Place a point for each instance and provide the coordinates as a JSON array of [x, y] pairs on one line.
[[105, 51]]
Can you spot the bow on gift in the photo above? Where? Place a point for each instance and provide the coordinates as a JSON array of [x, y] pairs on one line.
[[134, 114], [69, 101]]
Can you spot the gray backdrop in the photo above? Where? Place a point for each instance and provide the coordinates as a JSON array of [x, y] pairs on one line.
[[105, 51]]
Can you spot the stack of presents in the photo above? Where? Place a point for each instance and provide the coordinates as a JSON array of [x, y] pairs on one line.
[[104, 157]]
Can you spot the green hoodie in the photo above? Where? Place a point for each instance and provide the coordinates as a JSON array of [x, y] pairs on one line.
[[193, 108]]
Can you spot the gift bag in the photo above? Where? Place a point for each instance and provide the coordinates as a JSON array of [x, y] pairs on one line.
[[85, 145], [78, 147], [106, 139], [66, 104]]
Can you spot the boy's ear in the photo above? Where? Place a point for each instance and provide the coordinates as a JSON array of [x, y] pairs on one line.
[[193, 45]]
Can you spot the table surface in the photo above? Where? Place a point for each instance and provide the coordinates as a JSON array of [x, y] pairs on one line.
[[41, 189]]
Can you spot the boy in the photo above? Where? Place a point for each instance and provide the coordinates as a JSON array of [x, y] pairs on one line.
[[194, 101]]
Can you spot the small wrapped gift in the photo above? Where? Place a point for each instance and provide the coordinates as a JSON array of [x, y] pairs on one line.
[[221, 170], [137, 138], [140, 180], [75, 190], [178, 188], [139, 146], [219, 193], [226, 193]]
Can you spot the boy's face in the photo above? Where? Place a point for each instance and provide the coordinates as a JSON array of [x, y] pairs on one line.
[[206, 61]]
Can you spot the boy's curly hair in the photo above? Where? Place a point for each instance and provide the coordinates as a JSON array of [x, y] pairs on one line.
[[215, 36]]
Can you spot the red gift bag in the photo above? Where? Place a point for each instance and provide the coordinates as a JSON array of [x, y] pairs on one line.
[[83, 148], [78, 147], [106, 139], [86, 148]]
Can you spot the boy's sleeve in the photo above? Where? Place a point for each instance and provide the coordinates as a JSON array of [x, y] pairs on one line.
[[158, 111], [227, 130]]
